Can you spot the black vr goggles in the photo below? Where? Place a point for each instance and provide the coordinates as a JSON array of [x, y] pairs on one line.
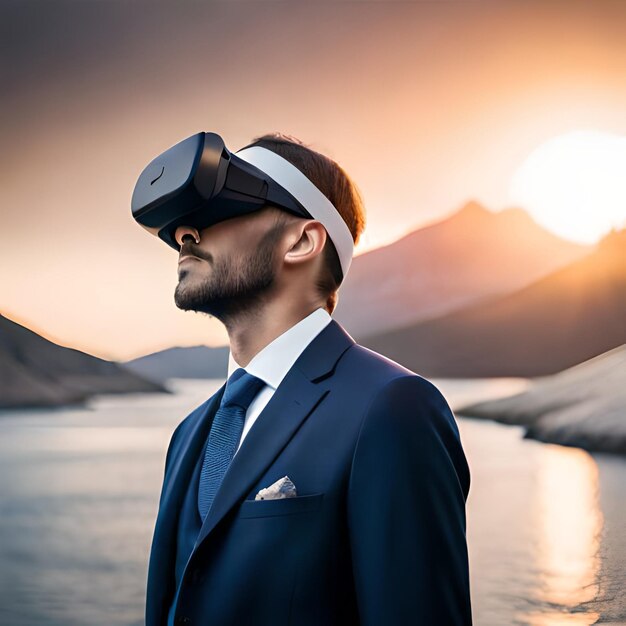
[[199, 182]]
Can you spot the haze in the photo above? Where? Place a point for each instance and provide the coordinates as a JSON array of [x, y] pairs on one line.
[[426, 105]]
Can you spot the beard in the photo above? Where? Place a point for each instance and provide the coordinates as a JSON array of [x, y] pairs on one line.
[[230, 289]]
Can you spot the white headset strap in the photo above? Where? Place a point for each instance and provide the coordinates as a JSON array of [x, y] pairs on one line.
[[307, 194]]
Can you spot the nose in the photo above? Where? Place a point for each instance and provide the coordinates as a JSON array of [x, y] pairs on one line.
[[182, 231]]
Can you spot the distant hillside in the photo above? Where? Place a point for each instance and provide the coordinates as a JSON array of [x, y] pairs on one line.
[[563, 319], [446, 266], [463, 259], [196, 362], [37, 372], [583, 406]]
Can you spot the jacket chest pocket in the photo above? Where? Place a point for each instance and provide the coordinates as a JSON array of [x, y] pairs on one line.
[[282, 506]]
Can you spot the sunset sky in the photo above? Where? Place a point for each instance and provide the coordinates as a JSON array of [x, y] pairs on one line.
[[426, 104]]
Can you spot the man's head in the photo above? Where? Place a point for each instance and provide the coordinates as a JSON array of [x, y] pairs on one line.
[[240, 263]]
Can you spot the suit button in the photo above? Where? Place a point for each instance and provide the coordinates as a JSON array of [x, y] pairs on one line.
[[183, 620]]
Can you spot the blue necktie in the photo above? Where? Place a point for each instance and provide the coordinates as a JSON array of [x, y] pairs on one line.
[[241, 388]]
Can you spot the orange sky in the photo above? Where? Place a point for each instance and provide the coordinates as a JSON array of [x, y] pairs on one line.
[[426, 104]]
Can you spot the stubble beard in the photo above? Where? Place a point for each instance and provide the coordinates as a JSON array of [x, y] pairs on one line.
[[229, 289]]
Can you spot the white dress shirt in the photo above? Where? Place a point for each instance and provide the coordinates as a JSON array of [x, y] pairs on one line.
[[273, 362]]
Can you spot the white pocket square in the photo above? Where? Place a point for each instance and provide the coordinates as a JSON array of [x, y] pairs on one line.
[[282, 488]]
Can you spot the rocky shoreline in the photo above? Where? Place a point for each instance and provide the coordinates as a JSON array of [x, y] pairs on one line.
[[583, 406]]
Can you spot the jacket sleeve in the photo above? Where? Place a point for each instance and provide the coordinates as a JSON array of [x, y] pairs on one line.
[[408, 486]]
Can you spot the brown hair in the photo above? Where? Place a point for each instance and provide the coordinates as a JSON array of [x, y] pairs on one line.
[[330, 178]]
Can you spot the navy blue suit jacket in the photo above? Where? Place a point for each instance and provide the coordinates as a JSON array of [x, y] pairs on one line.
[[376, 534]]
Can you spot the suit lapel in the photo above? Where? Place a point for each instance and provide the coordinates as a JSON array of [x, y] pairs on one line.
[[293, 401]]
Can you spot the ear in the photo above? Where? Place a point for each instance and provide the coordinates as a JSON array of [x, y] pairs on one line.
[[307, 242]]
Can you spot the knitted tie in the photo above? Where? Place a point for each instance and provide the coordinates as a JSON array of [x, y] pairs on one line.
[[241, 388]]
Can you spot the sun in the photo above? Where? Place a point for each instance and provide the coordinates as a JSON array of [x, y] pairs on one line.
[[575, 184]]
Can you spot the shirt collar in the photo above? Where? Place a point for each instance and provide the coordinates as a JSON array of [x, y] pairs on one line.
[[273, 362]]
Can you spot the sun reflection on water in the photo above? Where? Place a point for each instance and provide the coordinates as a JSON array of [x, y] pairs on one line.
[[570, 523]]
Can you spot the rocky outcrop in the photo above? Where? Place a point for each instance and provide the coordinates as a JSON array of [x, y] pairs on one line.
[[584, 406], [35, 372]]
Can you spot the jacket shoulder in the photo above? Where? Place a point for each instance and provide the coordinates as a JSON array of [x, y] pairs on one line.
[[362, 361], [381, 381]]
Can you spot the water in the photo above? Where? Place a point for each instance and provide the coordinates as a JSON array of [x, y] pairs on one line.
[[79, 493]]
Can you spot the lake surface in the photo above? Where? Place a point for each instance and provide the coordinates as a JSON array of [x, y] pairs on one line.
[[79, 493]]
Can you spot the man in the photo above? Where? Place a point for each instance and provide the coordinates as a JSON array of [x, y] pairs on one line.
[[334, 492]]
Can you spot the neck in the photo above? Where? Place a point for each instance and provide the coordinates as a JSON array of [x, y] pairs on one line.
[[252, 331]]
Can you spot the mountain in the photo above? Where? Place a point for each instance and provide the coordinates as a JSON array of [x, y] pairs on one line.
[[37, 372], [567, 317], [448, 265], [583, 406], [469, 256], [195, 362]]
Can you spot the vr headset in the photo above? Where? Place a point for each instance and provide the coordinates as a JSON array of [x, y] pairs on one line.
[[199, 182]]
